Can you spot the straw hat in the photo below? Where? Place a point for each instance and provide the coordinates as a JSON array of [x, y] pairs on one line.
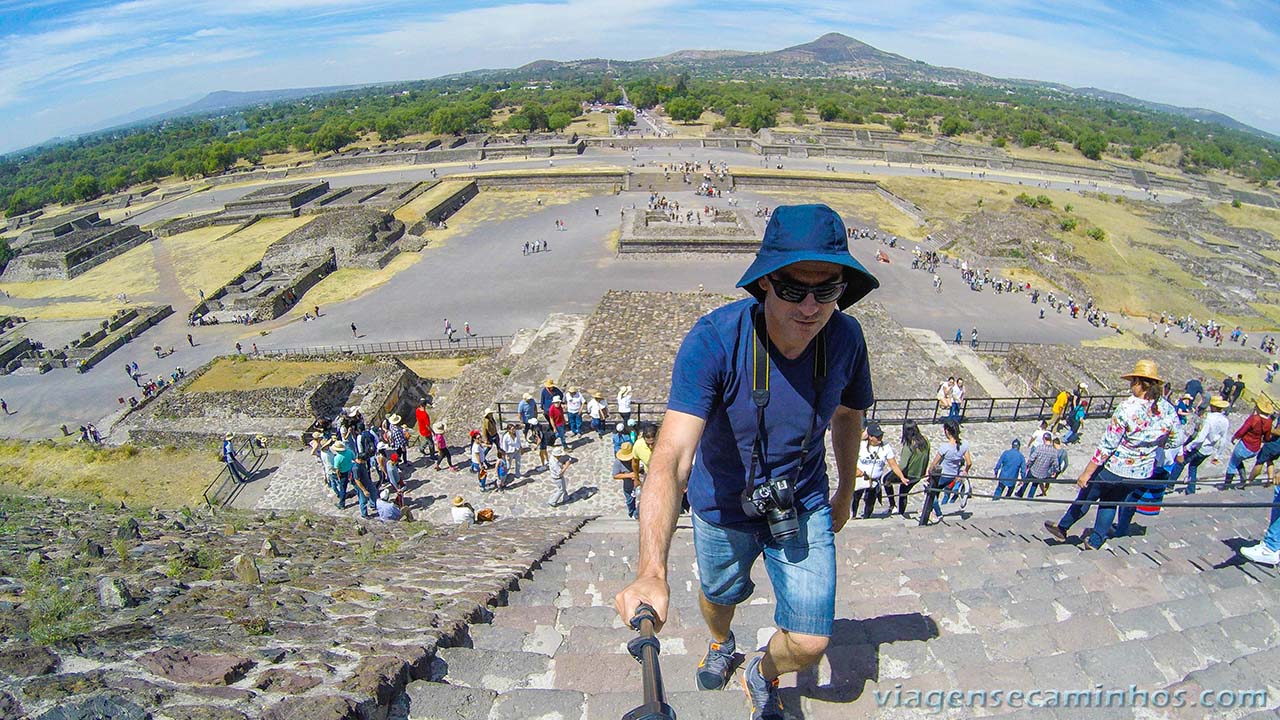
[[528, 396], [316, 435], [1144, 368], [394, 419], [458, 501], [1264, 404], [1220, 403], [438, 427], [229, 436], [487, 411], [558, 452], [339, 446], [596, 394], [625, 452], [573, 388], [624, 389], [549, 383]]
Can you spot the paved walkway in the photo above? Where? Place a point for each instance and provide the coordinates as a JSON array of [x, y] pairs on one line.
[[480, 276]]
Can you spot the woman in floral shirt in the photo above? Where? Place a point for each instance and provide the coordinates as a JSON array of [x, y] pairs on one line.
[[1126, 457]]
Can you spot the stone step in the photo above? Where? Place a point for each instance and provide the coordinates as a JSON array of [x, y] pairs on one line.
[[495, 670], [425, 700]]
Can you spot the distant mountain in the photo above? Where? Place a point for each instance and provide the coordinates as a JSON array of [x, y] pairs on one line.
[[1198, 114], [832, 55], [141, 115], [226, 100], [837, 55]]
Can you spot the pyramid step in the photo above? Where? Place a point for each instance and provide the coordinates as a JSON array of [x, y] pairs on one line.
[[499, 671]]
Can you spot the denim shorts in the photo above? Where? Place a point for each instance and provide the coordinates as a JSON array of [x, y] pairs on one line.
[[801, 569]]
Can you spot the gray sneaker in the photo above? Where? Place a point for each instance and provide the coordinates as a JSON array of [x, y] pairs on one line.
[[762, 694], [715, 666]]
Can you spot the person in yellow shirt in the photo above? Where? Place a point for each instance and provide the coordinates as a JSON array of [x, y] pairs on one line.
[[1059, 409]]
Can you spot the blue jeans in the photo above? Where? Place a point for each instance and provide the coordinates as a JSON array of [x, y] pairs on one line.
[[1192, 465], [342, 485], [802, 569], [575, 423], [1005, 488], [1105, 486], [1236, 465], [932, 505], [954, 414], [1272, 538], [236, 470], [628, 490], [364, 482], [560, 434], [598, 425]]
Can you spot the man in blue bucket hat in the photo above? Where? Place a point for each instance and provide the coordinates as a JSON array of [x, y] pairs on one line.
[[755, 386]]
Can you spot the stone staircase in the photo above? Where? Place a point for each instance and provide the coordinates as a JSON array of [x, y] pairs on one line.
[[979, 604]]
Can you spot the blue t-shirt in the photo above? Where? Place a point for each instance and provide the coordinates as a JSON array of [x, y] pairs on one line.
[[1011, 465], [712, 380]]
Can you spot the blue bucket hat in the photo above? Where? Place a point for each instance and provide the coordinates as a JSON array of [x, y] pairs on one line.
[[797, 233]]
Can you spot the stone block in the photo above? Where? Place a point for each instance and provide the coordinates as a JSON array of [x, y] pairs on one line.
[[542, 704], [497, 671]]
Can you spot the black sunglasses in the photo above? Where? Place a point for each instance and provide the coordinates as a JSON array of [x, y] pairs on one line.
[[794, 292]]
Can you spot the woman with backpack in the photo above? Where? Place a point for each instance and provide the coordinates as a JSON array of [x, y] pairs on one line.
[[951, 461]]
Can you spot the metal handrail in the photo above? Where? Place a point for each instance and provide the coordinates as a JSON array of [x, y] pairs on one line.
[[641, 412], [396, 346], [894, 411]]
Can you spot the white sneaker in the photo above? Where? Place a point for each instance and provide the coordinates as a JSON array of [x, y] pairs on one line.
[[1261, 554]]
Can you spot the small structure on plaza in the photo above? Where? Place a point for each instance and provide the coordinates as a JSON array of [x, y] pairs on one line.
[[65, 247], [692, 230]]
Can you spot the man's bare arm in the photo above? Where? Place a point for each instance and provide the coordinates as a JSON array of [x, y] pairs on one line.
[[659, 508], [846, 439]]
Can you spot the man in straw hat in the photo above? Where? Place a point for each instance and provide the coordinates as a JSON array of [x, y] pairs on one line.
[[343, 461], [1249, 437], [229, 457], [1207, 443], [549, 393], [1126, 456], [755, 386], [461, 512], [1268, 454], [626, 467], [598, 409]]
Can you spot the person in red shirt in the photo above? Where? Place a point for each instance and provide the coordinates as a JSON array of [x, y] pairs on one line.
[[1249, 438], [559, 422], [425, 443]]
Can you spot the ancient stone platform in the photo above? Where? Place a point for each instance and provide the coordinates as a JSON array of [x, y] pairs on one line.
[[108, 614]]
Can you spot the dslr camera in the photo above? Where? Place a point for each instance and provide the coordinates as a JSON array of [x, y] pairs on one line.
[[775, 501]]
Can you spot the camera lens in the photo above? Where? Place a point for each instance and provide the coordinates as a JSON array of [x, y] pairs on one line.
[[783, 524]]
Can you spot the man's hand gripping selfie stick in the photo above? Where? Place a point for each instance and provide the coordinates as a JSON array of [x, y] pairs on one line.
[[645, 649]]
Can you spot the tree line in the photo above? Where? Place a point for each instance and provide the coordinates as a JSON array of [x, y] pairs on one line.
[[201, 146]]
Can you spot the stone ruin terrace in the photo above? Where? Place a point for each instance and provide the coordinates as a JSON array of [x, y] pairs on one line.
[[187, 616], [185, 415], [67, 247]]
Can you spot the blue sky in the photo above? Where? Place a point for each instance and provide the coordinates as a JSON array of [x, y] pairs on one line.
[[65, 66]]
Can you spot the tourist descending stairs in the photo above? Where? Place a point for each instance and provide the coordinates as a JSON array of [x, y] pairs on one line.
[[984, 604]]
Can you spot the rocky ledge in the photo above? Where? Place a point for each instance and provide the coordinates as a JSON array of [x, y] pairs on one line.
[[107, 612]]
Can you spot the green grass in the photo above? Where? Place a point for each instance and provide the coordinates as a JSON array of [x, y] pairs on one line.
[[107, 474], [235, 374]]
